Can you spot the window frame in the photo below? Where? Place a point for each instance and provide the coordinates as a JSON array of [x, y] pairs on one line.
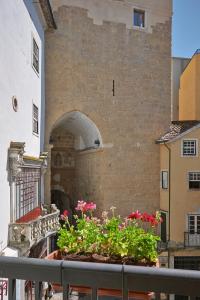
[[162, 183], [196, 147], [35, 120], [35, 56], [188, 177], [196, 226], [139, 10]]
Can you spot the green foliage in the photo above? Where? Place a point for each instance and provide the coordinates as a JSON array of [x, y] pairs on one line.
[[109, 237]]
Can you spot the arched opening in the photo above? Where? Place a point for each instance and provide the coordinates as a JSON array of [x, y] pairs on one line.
[[75, 157]]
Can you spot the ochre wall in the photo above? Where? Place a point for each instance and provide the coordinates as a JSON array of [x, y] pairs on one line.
[[183, 200], [189, 93], [83, 57]]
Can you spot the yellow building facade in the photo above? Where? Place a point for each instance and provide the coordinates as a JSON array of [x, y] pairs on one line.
[[189, 92], [180, 176]]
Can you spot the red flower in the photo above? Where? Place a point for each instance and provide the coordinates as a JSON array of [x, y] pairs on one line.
[[146, 217], [65, 213], [135, 215]]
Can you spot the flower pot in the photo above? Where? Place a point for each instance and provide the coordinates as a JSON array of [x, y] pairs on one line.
[[86, 290]]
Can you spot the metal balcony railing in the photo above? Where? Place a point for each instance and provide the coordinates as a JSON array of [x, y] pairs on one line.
[[95, 276], [191, 239]]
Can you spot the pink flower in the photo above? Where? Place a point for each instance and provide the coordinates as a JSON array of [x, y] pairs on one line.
[[90, 206], [135, 215], [64, 216], [81, 205], [84, 206]]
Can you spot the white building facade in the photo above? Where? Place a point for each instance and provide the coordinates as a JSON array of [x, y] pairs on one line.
[[22, 99]]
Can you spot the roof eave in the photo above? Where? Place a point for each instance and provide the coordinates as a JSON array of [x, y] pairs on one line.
[[48, 14], [179, 136]]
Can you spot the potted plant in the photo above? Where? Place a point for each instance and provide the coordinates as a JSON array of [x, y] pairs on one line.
[[109, 239]]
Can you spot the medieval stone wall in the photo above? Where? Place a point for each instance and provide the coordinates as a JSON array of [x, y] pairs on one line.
[[82, 60]]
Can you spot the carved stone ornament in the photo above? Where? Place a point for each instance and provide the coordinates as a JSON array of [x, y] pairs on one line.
[[44, 157], [18, 234], [15, 155]]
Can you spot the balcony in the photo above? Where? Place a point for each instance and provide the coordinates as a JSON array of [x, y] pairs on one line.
[[95, 276], [192, 239], [23, 235]]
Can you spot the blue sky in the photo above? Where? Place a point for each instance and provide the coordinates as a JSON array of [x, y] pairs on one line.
[[186, 27]]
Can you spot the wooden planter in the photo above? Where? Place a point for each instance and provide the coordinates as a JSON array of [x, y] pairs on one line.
[[101, 292]]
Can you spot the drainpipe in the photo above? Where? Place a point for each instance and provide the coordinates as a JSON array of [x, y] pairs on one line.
[[169, 202]]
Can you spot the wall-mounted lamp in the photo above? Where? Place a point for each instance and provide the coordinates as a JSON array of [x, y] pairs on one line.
[[97, 142]]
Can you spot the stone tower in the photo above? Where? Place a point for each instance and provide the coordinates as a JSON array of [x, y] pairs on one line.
[[107, 100]]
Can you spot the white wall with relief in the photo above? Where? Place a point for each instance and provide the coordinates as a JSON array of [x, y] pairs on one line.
[[20, 87]]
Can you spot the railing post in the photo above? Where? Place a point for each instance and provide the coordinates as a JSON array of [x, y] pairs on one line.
[[124, 285], [66, 289], [12, 289], [38, 290], [94, 293]]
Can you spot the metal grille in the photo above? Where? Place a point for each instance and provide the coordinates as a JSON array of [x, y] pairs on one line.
[[35, 56], [27, 191], [35, 119]]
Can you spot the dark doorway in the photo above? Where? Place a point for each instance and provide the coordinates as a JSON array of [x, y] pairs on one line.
[[61, 200], [164, 227]]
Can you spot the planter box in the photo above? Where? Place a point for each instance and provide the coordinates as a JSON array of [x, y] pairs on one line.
[[101, 292]]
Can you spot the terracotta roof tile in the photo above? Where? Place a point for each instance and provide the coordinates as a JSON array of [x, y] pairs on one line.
[[176, 128]]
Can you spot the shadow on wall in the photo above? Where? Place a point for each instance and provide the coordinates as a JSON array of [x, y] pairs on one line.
[[62, 201]]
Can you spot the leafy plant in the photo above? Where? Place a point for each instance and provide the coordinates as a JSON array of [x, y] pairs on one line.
[[111, 236]]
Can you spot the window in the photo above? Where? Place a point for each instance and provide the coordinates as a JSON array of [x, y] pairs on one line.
[[139, 18], [194, 224], [194, 180], [35, 56], [35, 119], [164, 179], [189, 147], [27, 191]]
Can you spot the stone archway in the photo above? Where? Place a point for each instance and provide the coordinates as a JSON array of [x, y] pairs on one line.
[[75, 160]]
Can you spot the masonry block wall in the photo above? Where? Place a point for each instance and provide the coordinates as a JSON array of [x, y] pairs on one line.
[[96, 43]]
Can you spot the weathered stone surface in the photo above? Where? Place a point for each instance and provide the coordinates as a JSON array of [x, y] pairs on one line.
[[82, 60]]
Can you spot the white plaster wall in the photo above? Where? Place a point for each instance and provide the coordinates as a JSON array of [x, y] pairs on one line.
[[121, 11], [17, 78]]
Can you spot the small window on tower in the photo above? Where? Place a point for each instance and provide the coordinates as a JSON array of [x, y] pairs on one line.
[[139, 18]]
